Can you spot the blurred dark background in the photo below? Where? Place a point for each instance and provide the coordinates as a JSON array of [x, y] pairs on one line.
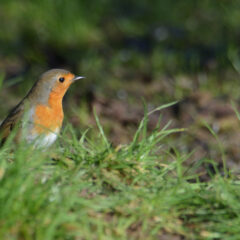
[[156, 50]]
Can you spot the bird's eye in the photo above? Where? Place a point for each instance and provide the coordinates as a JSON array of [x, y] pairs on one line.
[[61, 79]]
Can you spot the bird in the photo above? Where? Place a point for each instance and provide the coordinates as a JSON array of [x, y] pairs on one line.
[[38, 117]]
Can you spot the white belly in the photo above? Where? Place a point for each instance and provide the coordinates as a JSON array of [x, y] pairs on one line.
[[44, 140], [47, 140]]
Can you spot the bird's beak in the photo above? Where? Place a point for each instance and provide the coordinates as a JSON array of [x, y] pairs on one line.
[[77, 78]]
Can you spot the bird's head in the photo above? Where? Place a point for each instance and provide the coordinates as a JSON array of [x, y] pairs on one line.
[[53, 82]]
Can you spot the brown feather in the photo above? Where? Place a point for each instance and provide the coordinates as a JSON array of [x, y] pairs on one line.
[[11, 122]]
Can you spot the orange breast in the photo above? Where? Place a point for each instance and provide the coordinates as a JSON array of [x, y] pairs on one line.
[[49, 118]]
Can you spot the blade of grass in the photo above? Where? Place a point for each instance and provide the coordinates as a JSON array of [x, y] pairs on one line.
[[221, 148], [101, 130]]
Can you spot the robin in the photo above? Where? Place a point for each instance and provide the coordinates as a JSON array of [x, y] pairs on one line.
[[38, 117]]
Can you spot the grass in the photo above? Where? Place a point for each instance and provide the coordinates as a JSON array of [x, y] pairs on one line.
[[142, 190]]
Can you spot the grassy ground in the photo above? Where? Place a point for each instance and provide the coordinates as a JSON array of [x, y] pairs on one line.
[[142, 190], [159, 183]]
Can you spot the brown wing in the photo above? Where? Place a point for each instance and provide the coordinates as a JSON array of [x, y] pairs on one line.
[[10, 122]]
